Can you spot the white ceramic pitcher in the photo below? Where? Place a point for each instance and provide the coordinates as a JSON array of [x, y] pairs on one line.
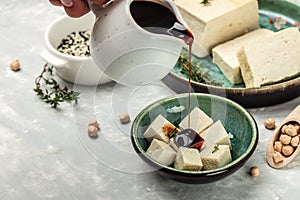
[[127, 52]]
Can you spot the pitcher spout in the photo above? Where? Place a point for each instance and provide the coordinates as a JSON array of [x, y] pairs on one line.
[[98, 9]]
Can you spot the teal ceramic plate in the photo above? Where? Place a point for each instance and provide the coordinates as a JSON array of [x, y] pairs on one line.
[[220, 85], [236, 120]]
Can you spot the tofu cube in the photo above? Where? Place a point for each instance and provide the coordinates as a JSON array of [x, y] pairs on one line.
[[272, 60], [161, 152], [225, 54], [188, 159], [218, 157], [198, 120], [216, 134], [159, 129], [219, 21]]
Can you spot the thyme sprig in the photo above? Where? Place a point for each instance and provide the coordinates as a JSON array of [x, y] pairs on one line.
[[49, 90], [196, 73], [204, 2]]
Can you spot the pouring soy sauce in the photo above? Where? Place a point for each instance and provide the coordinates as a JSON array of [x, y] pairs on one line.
[[157, 18]]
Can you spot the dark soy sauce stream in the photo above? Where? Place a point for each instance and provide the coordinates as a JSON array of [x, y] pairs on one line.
[[157, 18]]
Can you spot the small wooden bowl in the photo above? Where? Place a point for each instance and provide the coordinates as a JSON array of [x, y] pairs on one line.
[[293, 117]]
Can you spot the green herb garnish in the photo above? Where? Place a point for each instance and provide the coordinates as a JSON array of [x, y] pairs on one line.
[[216, 148], [53, 93], [173, 132], [204, 2]]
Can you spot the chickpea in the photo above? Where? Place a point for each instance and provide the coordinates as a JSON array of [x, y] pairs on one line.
[[124, 118], [93, 131], [278, 146], [277, 157], [297, 127], [94, 123], [287, 150], [295, 141], [254, 171], [15, 65], [270, 124], [291, 130], [283, 128], [285, 139]]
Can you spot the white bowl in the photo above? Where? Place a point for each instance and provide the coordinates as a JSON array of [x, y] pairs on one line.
[[75, 69]]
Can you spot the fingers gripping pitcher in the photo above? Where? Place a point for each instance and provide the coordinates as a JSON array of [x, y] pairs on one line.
[[136, 42]]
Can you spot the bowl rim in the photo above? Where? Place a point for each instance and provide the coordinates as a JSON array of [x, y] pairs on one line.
[[249, 151], [61, 20]]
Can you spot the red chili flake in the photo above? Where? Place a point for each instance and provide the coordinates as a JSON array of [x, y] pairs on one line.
[[271, 20], [296, 24]]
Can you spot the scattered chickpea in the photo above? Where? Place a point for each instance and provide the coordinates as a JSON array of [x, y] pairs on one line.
[[93, 131], [124, 118], [287, 150], [15, 65], [270, 124], [94, 123], [285, 139], [278, 146], [93, 128], [254, 171], [277, 157]]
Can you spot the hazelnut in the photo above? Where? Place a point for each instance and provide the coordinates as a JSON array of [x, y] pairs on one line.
[[287, 150], [285, 139], [277, 157], [295, 141], [15, 65], [278, 146], [269, 123], [254, 171], [124, 118]]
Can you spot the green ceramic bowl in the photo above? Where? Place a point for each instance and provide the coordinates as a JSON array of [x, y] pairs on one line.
[[236, 120]]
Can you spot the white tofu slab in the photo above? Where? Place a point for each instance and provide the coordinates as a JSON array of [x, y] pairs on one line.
[[219, 21], [199, 120], [272, 60], [188, 159], [225, 54]]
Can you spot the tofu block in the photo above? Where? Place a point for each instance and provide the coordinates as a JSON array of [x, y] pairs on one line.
[[161, 152], [159, 129], [218, 157], [272, 60], [216, 134], [188, 159], [198, 120], [225, 54], [219, 21]]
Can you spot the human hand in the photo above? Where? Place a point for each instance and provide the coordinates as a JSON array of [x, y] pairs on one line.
[[76, 8]]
